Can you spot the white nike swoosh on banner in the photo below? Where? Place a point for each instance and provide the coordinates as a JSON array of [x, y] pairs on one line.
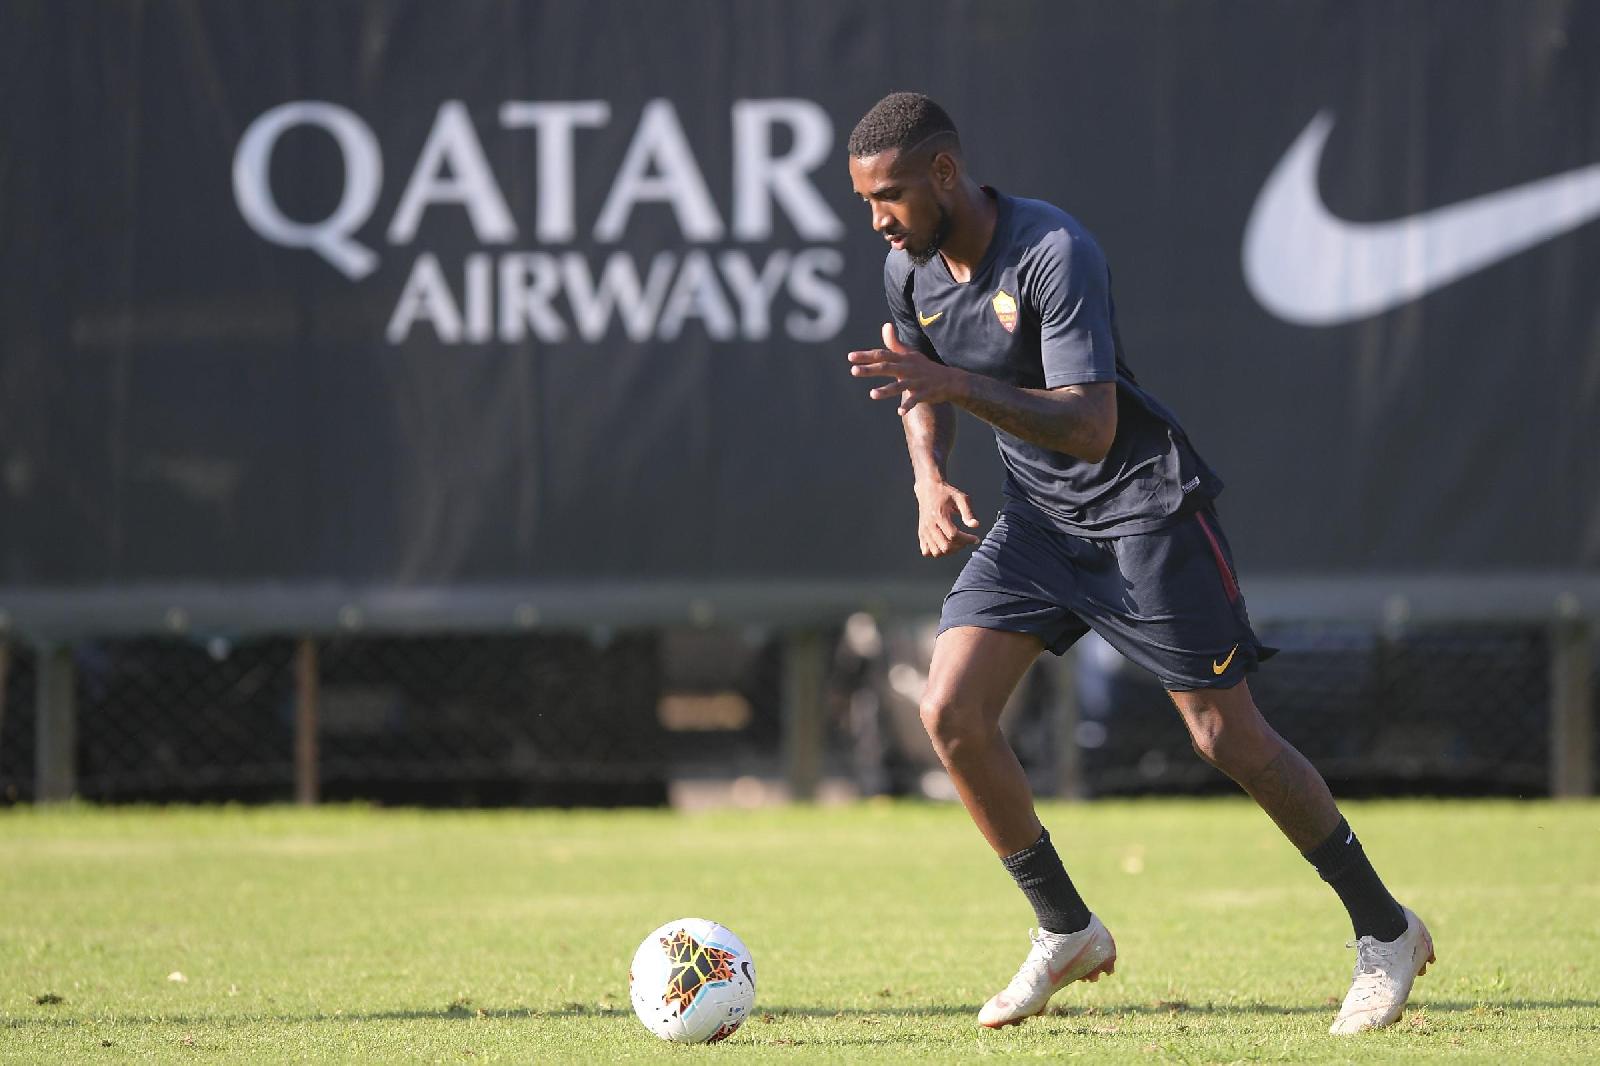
[[1313, 269]]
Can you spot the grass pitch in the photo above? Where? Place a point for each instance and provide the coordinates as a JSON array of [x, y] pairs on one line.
[[349, 934]]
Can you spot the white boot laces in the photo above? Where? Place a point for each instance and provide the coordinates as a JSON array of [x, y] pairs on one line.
[[1372, 963], [1035, 968]]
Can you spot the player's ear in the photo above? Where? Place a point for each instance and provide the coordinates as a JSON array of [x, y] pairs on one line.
[[945, 169]]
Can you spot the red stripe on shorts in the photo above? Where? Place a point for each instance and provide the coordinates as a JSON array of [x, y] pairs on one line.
[[1229, 585]]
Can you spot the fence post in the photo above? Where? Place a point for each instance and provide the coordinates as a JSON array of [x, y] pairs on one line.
[[1571, 709], [307, 781], [56, 725], [804, 669], [1069, 756]]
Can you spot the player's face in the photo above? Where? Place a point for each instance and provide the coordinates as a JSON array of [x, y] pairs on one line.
[[908, 200]]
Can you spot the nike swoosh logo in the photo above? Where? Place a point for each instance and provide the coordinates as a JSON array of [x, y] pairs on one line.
[[1218, 669], [1313, 269], [928, 320]]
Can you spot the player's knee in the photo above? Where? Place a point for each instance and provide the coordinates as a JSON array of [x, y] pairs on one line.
[[951, 724], [1229, 745], [1206, 736]]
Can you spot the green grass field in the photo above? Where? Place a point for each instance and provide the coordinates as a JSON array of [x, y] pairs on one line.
[[359, 935]]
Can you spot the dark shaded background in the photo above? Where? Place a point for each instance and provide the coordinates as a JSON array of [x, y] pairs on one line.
[[182, 401]]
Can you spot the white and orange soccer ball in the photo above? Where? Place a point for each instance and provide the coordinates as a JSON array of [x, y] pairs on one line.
[[693, 982]]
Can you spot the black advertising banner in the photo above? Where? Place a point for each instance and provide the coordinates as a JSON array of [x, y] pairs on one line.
[[436, 295]]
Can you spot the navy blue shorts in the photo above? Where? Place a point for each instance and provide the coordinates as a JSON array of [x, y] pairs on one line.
[[1168, 600]]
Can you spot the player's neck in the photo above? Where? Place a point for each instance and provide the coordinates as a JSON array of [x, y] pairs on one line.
[[971, 229]]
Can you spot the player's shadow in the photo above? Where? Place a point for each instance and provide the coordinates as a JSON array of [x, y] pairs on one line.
[[1175, 1008], [780, 1012]]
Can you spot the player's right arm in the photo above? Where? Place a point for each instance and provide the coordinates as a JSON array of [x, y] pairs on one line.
[[942, 509]]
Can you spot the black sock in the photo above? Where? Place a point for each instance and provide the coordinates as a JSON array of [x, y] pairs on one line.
[[1341, 862], [1037, 870]]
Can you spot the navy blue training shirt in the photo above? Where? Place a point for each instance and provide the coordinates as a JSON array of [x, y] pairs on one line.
[[1037, 314]]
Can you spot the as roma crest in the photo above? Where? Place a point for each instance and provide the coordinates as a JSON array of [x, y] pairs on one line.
[[1005, 309]]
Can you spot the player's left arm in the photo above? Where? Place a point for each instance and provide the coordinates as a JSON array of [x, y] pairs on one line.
[[1067, 285]]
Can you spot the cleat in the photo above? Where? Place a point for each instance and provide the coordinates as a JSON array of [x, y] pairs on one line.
[[1055, 961], [1383, 976]]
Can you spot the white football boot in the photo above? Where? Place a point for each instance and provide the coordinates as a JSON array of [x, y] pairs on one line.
[[1055, 961], [1383, 977]]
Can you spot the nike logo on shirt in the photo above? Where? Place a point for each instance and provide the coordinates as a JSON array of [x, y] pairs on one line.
[[1309, 267], [928, 320]]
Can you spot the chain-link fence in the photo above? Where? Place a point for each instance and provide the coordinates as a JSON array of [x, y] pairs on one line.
[[603, 717], [1439, 708], [447, 719], [1436, 708], [17, 714]]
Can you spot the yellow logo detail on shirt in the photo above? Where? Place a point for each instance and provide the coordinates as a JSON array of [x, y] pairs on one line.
[[1005, 309], [928, 320]]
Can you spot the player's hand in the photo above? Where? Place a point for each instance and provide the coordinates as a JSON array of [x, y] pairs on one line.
[[917, 379], [940, 506]]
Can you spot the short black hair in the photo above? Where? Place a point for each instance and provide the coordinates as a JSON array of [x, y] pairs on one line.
[[901, 121]]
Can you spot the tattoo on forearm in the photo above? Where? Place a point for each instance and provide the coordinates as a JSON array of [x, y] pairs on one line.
[[1037, 419], [930, 434], [1295, 796]]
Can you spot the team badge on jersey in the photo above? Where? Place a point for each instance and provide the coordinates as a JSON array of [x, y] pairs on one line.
[[1005, 309]]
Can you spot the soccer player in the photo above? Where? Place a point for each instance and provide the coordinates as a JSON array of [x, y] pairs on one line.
[[1002, 306]]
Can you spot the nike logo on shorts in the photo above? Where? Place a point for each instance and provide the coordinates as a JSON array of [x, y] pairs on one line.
[[1218, 668]]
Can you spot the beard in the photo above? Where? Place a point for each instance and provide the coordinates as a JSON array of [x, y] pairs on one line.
[[923, 256]]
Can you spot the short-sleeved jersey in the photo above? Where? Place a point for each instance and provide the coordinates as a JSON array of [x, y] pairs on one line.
[[1037, 314]]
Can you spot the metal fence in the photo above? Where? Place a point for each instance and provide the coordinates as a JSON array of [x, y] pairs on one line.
[[1441, 707], [449, 718], [603, 717]]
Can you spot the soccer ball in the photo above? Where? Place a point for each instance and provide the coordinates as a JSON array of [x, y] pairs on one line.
[[692, 982]]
